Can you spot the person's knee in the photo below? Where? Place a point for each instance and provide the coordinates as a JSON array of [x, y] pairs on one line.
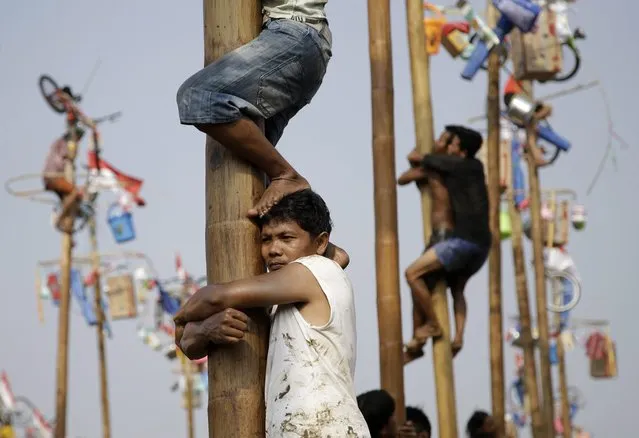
[[412, 275]]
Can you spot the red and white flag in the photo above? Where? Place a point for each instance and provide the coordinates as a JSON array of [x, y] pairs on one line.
[[7, 400], [110, 178]]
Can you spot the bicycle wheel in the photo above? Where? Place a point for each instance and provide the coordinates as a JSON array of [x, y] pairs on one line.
[[567, 303], [22, 414], [49, 89], [571, 60]]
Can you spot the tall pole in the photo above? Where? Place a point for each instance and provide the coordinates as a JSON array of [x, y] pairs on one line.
[[557, 295], [494, 260], [540, 279], [424, 137], [62, 362], [188, 379], [386, 243], [99, 312], [237, 373], [530, 367]]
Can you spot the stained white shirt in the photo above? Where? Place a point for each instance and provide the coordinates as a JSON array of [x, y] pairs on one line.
[[309, 388]]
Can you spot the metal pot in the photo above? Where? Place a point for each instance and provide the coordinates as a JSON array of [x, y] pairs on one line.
[[521, 109]]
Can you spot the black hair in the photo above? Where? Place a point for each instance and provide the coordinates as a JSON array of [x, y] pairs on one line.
[[304, 207], [475, 425], [419, 419], [377, 407], [469, 139]]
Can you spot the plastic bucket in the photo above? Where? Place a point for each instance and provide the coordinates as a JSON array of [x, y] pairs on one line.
[[121, 224]]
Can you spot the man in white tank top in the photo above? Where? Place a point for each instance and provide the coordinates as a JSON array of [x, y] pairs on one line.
[[271, 78], [309, 388]]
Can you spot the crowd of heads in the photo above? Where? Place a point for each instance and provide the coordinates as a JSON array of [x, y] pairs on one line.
[[378, 408]]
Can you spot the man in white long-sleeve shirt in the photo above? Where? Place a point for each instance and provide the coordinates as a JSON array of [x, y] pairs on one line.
[[310, 367]]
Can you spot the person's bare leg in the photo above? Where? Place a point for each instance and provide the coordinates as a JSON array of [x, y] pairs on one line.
[[460, 310], [246, 140], [411, 353], [427, 262], [413, 174]]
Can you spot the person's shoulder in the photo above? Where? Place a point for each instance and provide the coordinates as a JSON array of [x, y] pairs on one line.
[[328, 273], [320, 263]]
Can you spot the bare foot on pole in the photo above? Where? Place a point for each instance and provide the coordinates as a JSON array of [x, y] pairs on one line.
[[279, 187], [423, 333], [456, 346], [412, 174], [410, 355]]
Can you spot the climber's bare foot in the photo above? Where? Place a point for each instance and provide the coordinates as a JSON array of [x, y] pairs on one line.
[[427, 331], [415, 158], [411, 355], [412, 174], [279, 187], [456, 346]]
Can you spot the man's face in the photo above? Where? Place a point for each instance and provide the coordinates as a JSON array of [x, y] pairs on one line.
[[454, 147], [284, 242], [442, 141]]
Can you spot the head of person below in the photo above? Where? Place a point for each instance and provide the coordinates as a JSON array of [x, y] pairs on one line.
[[310, 367]]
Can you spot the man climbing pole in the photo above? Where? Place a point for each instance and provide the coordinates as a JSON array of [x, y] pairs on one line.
[[53, 175], [311, 355], [460, 240], [271, 78]]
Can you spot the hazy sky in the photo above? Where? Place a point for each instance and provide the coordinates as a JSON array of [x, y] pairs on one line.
[[146, 50]]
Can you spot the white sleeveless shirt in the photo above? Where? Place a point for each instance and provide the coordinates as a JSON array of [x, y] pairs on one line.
[[309, 387]]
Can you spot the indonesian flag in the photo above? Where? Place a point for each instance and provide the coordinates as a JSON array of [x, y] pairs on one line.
[[7, 400], [110, 178], [41, 425]]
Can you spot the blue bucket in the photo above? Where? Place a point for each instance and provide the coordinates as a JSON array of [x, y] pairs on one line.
[[121, 224], [522, 13]]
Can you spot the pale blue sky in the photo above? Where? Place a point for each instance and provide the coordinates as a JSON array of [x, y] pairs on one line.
[[147, 49]]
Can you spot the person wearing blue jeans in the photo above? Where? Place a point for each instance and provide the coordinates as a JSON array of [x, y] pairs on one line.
[[269, 79], [461, 237]]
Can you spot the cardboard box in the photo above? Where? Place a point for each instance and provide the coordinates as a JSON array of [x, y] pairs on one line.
[[121, 295], [537, 55]]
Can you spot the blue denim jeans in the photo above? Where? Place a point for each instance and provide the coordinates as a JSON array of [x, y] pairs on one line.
[[270, 78], [461, 256]]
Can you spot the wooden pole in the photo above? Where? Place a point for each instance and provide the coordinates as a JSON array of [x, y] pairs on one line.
[[99, 312], [540, 280], [424, 138], [62, 362], [557, 294], [530, 367], [385, 192], [237, 373], [494, 260], [188, 379]]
